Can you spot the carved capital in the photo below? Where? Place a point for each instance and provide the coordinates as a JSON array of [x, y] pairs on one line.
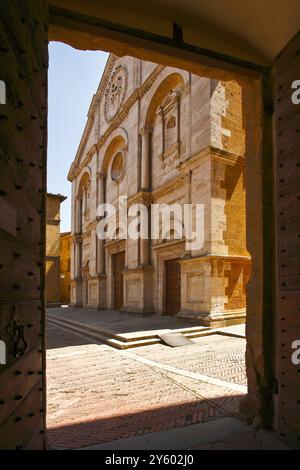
[[100, 175], [145, 130], [143, 197], [78, 238]]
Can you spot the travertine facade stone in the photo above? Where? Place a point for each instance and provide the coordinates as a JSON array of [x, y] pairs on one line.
[[53, 247], [162, 135], [65, 263]]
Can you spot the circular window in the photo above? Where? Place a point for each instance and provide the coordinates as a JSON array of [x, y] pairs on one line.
[[117, 167]]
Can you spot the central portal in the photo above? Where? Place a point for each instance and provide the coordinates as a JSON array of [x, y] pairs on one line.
[[173, 287], [119, 265]]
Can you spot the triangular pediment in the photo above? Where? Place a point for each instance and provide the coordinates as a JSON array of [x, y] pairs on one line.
[[86, 141]]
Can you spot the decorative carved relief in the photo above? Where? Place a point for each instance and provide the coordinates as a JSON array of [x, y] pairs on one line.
[[116, 92], [171, 156], [170, 113]]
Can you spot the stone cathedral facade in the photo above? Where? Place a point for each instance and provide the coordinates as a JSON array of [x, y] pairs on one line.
[[161, 135]]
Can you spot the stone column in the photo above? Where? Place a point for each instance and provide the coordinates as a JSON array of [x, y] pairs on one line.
[[144, 252], [162, 123], [78, 244], [84, 199], [178, 117], [188, 117], [100, 243], [78, 215], [145, 167], [188, 200], [145, 242], [101, 189]]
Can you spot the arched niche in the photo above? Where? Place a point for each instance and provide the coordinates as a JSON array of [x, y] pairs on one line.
[[171, 83], [112, 165], [118, 142], [83, 183], [82, 199], [161, 117]]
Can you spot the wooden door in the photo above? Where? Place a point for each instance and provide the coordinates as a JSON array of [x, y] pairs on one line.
[[173, 287], [287, 198], [23, 147], [119, 265]]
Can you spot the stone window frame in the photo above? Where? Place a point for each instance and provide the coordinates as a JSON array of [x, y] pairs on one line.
[[119, 178]]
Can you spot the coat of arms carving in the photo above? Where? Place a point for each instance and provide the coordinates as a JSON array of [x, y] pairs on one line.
[[116, 92]]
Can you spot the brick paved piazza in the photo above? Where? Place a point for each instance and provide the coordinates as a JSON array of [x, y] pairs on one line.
[[98, 394]]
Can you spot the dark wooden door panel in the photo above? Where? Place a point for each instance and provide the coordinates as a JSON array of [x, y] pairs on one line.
[[23, 144], [173, 287], [287, 201], [119, 264]]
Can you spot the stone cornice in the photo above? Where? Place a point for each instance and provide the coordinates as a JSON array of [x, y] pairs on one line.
[[92, 225], [142, 197], [212, 153], [92, 150], [167, 187], [138, 269], [52, 221], [119, 243], [52, 257], [212, 257], [166, 244], [228, 157], [194, 161], [80, 237], [77, 237]]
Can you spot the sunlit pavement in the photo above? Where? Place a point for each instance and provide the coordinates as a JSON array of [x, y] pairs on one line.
[[97, 394]]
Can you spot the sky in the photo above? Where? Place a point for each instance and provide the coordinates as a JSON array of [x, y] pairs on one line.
[[74, 77]]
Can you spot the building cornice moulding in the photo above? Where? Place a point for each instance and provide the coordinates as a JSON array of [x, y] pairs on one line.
[[171, 185], [215, 257]]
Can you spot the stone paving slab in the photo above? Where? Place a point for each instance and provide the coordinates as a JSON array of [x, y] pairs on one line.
[[217, 356], [97, 397], [62, 338], [181, 438], [123, 323], [219, 434], [132, 330], [97, 394]]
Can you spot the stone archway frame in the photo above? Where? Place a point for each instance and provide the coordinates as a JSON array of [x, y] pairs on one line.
[[85, 33], [166, 81], [117, 141], [169, 86], [83, 180]]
